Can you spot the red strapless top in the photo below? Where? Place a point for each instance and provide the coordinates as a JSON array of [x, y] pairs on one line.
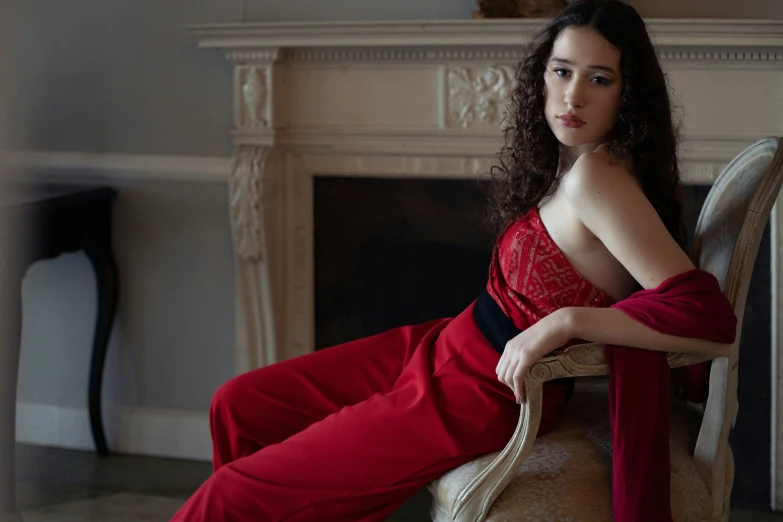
[[529, 276]]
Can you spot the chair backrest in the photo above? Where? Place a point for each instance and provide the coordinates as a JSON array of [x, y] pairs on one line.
[[726, 242]]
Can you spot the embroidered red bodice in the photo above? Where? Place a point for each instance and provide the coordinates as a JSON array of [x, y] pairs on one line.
[[530, 277]]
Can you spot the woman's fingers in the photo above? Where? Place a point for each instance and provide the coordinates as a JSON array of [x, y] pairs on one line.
[[519, 382], [505, 358], [511, 371], [513, 377], [501, 368], [507, 375]]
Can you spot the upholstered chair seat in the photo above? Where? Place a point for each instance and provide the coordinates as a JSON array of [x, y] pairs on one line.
[[568, 474]]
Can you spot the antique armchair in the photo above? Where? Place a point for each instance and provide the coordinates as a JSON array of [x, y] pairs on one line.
[[567, 474]]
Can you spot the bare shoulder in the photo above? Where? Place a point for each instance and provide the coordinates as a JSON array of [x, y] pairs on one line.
[[609, 201], [596, 177]]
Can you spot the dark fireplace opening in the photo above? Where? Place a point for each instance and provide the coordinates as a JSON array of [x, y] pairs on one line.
[[391, 252]]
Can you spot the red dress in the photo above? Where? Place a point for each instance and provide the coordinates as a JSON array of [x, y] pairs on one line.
[[352, 431], [530, 278]]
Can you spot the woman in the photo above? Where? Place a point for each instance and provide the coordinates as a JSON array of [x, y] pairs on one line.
[[585, 196]]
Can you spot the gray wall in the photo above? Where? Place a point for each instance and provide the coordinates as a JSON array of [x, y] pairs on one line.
[[12, 88], [301, 10], [760, 9], [123, 77]]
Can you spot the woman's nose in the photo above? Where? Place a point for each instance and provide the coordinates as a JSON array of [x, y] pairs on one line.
[[574, 95]]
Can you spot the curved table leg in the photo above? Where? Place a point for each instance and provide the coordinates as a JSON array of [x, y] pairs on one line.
[[99, 253]]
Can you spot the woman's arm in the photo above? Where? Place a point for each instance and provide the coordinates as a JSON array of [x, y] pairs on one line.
[[613, 327], [599, 325], [612, 206]]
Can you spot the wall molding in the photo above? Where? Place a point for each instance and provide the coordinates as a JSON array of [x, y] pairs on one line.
[[753, 57], [138, 431], [350, 155], [66, 166]]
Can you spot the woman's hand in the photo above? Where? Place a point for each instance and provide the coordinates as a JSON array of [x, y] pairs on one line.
[[524, 350]]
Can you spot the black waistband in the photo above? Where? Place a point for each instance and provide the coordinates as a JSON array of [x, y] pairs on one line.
[[492, 322], [499, 329]]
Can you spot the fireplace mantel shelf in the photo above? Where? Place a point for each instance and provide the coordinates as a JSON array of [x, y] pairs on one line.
[[723, 33]]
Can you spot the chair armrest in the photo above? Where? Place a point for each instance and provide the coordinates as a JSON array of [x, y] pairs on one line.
[[587, 360], [581, 360]]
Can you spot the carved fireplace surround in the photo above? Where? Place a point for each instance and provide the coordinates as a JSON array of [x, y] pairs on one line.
[[424, 99]]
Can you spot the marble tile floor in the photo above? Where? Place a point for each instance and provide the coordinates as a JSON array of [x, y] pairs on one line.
[[56, 485]]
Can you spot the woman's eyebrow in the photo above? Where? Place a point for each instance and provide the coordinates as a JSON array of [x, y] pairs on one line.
[[569, 62]]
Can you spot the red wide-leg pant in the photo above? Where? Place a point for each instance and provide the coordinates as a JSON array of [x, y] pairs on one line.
[[351, 432]]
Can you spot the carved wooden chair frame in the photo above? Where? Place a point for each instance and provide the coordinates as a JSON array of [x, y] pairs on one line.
[[726, 243]]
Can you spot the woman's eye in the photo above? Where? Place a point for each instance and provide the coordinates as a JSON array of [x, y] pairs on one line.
[[600, 80], [561, 72]]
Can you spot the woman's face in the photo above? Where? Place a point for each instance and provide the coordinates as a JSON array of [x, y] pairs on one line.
[[583, 85]]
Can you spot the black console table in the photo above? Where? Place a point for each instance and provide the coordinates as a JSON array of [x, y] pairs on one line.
[[49, 220]]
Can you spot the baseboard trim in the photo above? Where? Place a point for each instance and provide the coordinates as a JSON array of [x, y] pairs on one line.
[[138, 431]]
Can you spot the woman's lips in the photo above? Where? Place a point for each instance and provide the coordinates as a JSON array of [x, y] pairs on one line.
[[571, 121]]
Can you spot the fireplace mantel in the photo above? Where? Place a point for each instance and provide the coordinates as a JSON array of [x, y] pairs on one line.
[[424, 89], [425, 99], [668, 33]]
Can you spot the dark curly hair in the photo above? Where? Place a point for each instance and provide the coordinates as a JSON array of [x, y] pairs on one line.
[[644, 131]]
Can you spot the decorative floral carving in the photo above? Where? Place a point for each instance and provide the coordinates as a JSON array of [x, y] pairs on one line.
[[246, 193], [254, 94], [477, 95]]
